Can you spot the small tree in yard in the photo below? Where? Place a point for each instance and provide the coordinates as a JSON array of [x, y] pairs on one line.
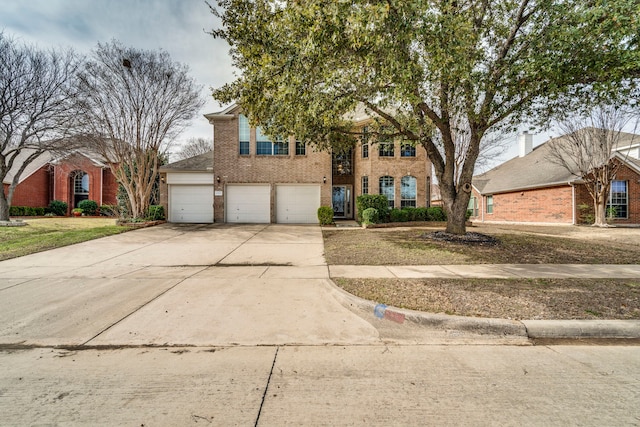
[[194, 147], [35, 109], [587, 149], [134, 102], [421, 68]]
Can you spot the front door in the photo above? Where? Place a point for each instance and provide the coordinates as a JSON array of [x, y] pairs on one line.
[[341, 201]]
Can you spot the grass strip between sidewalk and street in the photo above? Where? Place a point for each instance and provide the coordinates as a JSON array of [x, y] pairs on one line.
[[41, 234], [518, 299], [498, 298]]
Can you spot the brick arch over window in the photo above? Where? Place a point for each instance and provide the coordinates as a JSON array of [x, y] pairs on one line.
[[79, 186]]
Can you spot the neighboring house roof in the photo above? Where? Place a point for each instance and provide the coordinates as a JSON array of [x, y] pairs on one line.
[[200, 163], [531, 171], [536, 170], [31, 168], [48, 157]]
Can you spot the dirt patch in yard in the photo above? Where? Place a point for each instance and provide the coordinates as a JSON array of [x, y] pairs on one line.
[[515, 245]]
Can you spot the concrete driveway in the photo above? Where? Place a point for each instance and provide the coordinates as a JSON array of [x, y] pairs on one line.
[[179, 285]]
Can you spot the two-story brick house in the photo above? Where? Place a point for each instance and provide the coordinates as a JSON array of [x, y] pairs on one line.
[[257, 180]]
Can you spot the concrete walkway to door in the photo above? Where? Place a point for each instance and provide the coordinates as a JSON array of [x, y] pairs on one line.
[[179, 285]]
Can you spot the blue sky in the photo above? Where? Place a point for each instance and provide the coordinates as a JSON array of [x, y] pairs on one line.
[[177, 26]]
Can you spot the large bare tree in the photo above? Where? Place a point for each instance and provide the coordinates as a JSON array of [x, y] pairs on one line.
[[587, 149], [194, 147], [35, 109], [135, 102]]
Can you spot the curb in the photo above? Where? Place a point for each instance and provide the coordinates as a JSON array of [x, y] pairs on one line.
[[482, 326], [583, 329], [531, 329]]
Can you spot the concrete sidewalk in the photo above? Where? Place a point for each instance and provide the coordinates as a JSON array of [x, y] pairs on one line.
[[489, 271]]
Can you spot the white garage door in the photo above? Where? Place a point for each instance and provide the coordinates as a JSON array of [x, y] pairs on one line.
[[248, 204], [297, 204], [191, 203]]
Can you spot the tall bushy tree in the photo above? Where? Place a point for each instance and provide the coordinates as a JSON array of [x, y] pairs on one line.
[[35, 109], [134, 102], [421, 67]]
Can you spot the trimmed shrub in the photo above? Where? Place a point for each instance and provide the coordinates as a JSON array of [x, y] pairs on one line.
[[325, 215], [398, 215], [370, 216], [26, 211], [436, 213], [376, 201], [58, 207], [156, 213], [89, 207]]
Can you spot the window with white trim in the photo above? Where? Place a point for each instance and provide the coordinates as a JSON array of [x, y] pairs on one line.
[[490, 204], [387, 189], [408, 192], [244, 131], [266, 147], [365, 185], [618, 200], [408, 150]]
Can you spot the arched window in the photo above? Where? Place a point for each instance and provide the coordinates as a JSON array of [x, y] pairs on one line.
[[408, 192], [80, 181], [387, 188]]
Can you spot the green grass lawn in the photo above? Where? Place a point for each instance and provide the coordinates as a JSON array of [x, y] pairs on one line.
[[41, 234]]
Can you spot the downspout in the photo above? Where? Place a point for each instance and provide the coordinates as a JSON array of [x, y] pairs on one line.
[[101, 184]]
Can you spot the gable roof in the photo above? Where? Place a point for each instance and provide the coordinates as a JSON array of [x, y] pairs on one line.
[[535, 170], [31, 168], [531, 171], [199, 163]]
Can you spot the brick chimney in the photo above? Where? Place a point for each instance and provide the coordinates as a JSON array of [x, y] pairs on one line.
[[525, 143]]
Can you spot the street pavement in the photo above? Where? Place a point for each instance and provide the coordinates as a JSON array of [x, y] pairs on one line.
[[241, 325]]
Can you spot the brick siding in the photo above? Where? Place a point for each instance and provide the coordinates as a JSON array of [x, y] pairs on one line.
[[554, 204], [313, 168], [34, 191]]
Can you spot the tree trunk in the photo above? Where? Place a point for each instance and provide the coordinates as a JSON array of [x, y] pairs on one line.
[[457, 213], [4, 206], [600, 214]]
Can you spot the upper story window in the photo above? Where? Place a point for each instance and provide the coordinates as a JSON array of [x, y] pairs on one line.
[[408, 192], [243, 134], [407, 150], [301, 148], [342, 163], [385, 149], [266, 147], [365, 142]]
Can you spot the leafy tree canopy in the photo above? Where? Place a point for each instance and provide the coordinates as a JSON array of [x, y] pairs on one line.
[[428, 70]]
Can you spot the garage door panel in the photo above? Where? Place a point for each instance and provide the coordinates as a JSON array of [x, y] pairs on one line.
[[297, 204], [248, 204], [191, 203]]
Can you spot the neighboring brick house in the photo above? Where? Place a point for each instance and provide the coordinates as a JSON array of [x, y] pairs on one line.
[[532, 189], [71, 179], [262, 181]]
